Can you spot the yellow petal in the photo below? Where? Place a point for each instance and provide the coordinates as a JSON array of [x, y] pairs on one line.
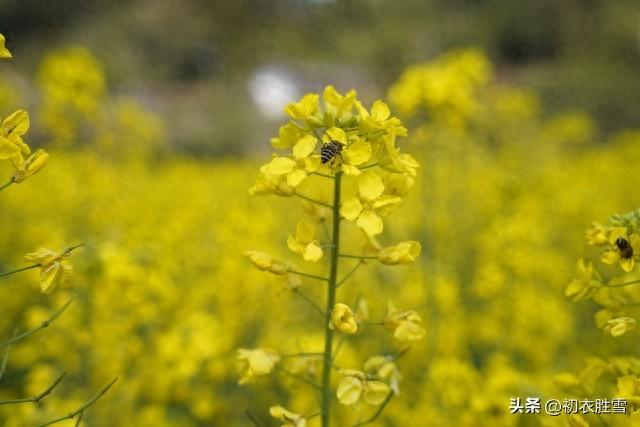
[[312, 252], [351, 170], [8, 149], [375, 392], [370, 222], [279, 166], [610, 257], [351, 208], [295, 177], [380, 111], [370, 185], [358, 152], [349, 390], [50, 277], [337, 134], [4, 52], [305, 232], [17, 122], [304, 147], [617, 233]]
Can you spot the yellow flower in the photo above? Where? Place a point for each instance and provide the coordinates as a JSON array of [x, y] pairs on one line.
[[30, 166], [402, 253], [586, 284], [11, 130], [398, 184], [289, 418], [367, 203], [597, 234], [266, 262], [619, 326], [342, 319], [379, 119], [271, 184], [629, 389], [356, 150], [305, 243], [623, 249], [288, 136], [4, 52], [255, 363], [305, 108], [297, 168], [384, 368], [355, 385], [55, 268], [404, 324], [395, 161]]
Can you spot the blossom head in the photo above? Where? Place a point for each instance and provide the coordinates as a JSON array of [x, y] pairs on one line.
[[355, 385], [404, 324], [255, 363], [304, 242], [29, 166], [623, 248], [12, 129], [342, 319], [55, 268], [619, 326], [265, 262], [587, 283], [402, 253]]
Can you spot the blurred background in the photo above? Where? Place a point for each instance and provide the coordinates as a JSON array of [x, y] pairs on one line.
[[157, 115]]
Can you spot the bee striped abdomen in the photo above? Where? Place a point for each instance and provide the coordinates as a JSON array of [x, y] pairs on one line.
[[330, 151]]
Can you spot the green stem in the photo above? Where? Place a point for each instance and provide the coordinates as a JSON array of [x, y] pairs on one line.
[[303, 354], [358, 256], [19, 270], [309, 199], [5, 359], [331, 300], [81, 409], [324, 175], [11, 181], [43, 325], [619, 285], [378, 412], [310, 301], [298, 377], [37, 398], [346, 277], [311, 276]]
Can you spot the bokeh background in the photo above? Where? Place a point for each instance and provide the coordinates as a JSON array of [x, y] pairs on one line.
[[157, 115]]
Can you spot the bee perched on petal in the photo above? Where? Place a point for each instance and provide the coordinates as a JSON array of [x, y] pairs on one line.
[[330, 152]]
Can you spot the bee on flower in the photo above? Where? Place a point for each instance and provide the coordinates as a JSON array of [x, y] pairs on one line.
[[624, 248]]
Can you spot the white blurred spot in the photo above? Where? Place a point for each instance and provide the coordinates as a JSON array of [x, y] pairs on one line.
[[271, 89]]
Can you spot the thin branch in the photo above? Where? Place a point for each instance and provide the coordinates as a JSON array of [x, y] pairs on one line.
[[378, 412], [311, 303], [338, 347], [373, 165], [324, 175], [619, 285], [311, 276], [11, 181], [309, 199], [38, 397], [346, 277], [79, 420], [303, 354], [298, 377], [253, 419], [42, 325], [5, 359], [81, 409], [357, 256]]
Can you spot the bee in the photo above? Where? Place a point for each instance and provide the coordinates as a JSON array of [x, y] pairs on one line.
[[625, 248], [330, 151]]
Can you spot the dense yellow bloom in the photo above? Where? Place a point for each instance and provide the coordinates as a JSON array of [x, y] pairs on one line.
[[368, 204], [623, 248], [304, 242], [11, 130], [305, 108], [569, 383], [4, 52], [629, 389], [402, 253], [30, 166], [256, 362], [356, 151], [342, 319], [266, 262], [355, 385], [55, 269], [404, 324], [619, 326], [586, 284], [289, 418]]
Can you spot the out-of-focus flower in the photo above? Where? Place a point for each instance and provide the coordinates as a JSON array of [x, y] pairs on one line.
[[619, 326], [342, 319], [256, 362], [355, 385], [11, 130], [597, 234], [4, 52], [586, 284], [266, 262], [30, 166], [304, 242], [404, 324], [288, 418], [402, 253], [55, 268], [384, 368]]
